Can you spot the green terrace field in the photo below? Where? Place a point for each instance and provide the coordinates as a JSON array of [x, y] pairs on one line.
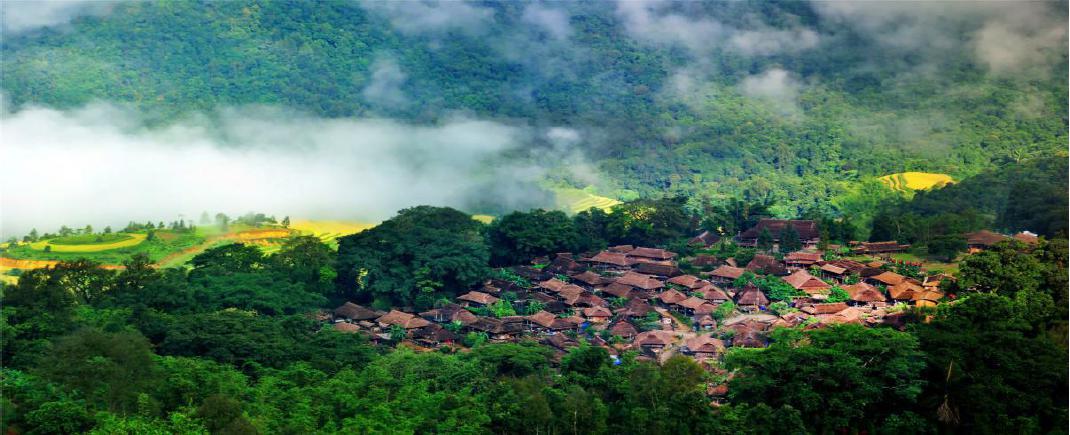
[[575, 200], [112, 250]]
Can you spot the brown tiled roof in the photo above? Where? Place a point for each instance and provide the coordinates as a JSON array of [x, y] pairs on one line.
[[542, 318], [353, 311], [803, 257], [729, 272], [928, 295], [478, 297], [345, 327], [830, 308], [889, 278], [984, 238], [705, 238], [640, 281], [619, 290], [405, 320], [802, 280], [671, 296], [611, 258], [751, 295], [656, 268], [834, 269], [654, 338], [878, 247], [1026, 237], [688, 281], [570, 294], [863, 292], [904, 291], [704, 344], [597, 312], [807, 229], [851, 265], [552, 284], [590, 278], [704, 260], [766, 265], [713, 293], [705, 319], [692, 303], [623, 329], [654, 253], [867, 272], [622, 249], [637, 308]]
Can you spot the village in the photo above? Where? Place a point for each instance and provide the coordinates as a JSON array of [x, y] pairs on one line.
[[629, 298]]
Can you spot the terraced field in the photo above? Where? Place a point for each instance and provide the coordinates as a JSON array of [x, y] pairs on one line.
[[575, 200], [910, 181], [131, 239], [329, 231]]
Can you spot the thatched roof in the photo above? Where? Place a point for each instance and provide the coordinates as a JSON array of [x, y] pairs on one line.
[[728, 272], [640, 281], [751, 295], [611, 258], [652, 253], [671, 296], [478, 297], [353, 311], [687, 281], [623, 329], [807, 229]]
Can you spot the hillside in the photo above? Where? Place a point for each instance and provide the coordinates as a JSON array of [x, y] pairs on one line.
[[795, 109]]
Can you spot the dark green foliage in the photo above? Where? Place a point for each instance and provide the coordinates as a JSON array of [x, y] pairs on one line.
[[947, 247], [837, 377], [383, 262], [518, 237], [765, 240], [109, 369], [789, 240]]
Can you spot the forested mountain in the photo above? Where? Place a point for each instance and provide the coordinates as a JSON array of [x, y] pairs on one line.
[[788, 103]]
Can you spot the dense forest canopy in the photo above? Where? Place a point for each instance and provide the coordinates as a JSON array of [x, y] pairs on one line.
[[793, 104]]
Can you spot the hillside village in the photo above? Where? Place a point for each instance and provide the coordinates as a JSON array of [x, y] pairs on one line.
[[635, 298]]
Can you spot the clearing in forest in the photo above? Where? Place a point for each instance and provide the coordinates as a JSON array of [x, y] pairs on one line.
[[575, 200], [908, 181], [87, 243]]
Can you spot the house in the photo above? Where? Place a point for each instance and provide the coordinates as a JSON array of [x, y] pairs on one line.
[[652, 254], [607, 260], [864, 248], [703, 347], [620, 290], [687, 281], [726, 274], [713, 293], [905, 290], [832, 271], [570, 294], [927, 298], [542, 320], [805, 282], [807, 230], [705, 239], [751, 298], [623, 330], [801, 260], [402, 319], [640, 281], [863, 294], [704, 261], [621, 249], [748, 338], [670, 296], [1027, 237], [531, 273], [704, 321], [693, 306], [563, 264], [353, 312], [590, 278], [597, 314], [450, 313], [345, 327], [980, 240], [433, 335], [887, 278], [766, 265], [476, 299], [663, 269], [827, 308], [560, 341], [636, 308], [552, 284], [654, 341]]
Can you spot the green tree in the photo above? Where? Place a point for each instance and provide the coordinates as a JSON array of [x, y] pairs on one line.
[[765, 240], [789, 240], [110, 369], [520, 236], [382, 262], [946, 247]]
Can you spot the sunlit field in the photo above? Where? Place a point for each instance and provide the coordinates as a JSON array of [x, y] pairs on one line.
[[907, 181]]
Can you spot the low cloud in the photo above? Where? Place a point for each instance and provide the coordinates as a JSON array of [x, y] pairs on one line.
[[775, 86], [100, 165], [18, 16], [384, 87], [553, 21], [424, 17]]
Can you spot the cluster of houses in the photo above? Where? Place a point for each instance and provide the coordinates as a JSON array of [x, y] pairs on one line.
[[637, 298]]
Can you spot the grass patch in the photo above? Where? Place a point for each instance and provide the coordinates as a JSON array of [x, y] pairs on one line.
[[575, 200], [85, 243], [90, 239], [909, 181]]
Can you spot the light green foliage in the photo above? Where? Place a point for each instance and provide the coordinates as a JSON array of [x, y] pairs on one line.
[[838, 294]]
